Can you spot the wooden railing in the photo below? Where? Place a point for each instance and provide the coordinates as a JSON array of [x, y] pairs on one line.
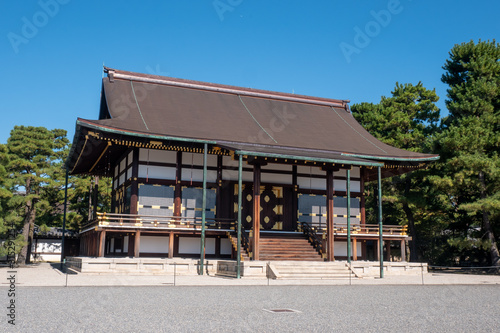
[[162, 222], [153, 221], [245, 242], [364, 229], [314, 238]]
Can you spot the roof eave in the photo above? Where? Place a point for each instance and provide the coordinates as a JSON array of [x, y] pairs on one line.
[[395, 159], [305, 158]]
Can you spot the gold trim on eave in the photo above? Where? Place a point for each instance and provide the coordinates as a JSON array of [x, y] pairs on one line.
[[81, 152], [102, 154]]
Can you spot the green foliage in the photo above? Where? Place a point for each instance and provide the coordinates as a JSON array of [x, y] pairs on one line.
[[32, 183], [35, 158], [469, 144], [79, 195], [405, 120], [19, 243]]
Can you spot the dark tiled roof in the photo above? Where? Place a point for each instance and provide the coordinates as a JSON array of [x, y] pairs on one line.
[[54, 232], [264, 122]]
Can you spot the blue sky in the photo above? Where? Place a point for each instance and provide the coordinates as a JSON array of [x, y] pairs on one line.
[[52, 51]]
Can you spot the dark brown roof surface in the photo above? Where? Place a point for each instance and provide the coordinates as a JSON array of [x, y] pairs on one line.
[[270, 121]]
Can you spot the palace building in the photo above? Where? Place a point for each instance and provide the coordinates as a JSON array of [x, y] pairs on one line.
[[205, 170]]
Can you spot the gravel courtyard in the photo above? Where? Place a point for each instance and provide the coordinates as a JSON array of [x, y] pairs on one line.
[[402, 308]]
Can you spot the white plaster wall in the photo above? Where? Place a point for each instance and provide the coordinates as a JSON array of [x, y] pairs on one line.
[[154, 244], [121, 180], [340, 249], [311, 183], [191, 245], [123, 164], [129, 173], [155, 155], [47, 245], [225, 246], [156, 172], [312, 170], [197, 159], [130, 157], [276, 178], [197, 175], [341, 185]]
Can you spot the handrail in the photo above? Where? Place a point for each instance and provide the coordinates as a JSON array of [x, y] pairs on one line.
[[311, 234], [371, 229], [245, 241], [113, 219]]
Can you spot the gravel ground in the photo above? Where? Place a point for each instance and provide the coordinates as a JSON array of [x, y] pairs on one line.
[[241, 309]]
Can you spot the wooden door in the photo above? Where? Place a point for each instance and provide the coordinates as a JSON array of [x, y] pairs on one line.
[[275, 208]]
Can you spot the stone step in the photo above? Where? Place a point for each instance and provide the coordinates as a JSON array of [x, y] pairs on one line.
[[306, 276]]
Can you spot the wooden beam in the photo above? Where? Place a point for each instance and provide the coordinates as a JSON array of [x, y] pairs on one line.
[[102, 241], [137, 243], [329, 215], [256, 211]]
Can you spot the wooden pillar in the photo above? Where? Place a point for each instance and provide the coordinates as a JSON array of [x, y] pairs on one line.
[[354, 248], [178, 188], [403, 250], [130, 251], [135, 184], [256, 210], [137, 243], [102, 243], [329, 215], [171, 239], [377, 243]]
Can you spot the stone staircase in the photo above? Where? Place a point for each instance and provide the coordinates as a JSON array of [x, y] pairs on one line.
[[287, 246], [310, 270]]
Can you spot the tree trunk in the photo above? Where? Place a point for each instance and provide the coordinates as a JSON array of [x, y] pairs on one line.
[[494, 254], [24, 255], [414, 255]]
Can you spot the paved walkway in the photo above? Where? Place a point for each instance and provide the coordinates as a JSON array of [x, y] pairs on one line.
[[48, 275]]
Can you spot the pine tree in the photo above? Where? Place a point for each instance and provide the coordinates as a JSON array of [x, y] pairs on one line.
[[469, 147], [405, 120], [32, 152]]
